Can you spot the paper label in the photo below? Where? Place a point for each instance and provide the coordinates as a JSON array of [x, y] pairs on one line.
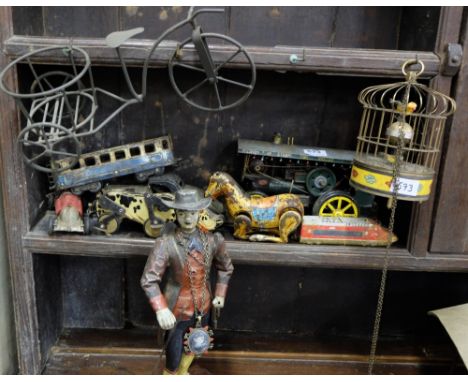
[[315, 153], [406, 187]]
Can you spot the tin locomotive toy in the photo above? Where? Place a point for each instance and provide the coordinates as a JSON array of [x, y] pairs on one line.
[[315, 174]]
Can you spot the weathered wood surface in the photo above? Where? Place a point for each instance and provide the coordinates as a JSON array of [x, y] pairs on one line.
[[422, 220], [243, 252], [92, 293], [407, 28], [338, 61], [17, 217], [47, 281], [450, 230], [134, 352]]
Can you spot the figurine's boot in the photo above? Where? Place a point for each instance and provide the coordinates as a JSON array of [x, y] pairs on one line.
[[184, 364], [168, 372]]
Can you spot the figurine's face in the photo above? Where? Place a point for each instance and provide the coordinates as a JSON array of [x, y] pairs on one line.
[[187, 219]]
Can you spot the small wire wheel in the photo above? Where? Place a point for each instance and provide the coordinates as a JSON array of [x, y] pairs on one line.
[[205, 85], [45, 143], [337, 204], [320, 180]]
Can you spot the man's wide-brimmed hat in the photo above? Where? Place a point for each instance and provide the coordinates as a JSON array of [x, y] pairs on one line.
[[189, 199]]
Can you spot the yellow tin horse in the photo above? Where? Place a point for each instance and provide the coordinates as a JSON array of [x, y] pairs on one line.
[[279, 215]]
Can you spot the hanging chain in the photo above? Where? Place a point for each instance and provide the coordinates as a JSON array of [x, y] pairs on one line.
[[391, 224]]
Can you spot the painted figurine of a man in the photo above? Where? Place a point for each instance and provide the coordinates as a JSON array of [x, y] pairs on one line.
[[186, 253]]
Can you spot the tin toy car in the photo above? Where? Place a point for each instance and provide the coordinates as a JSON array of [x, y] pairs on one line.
[[68, 215], [145, 158], [138, 203], [315, 174]]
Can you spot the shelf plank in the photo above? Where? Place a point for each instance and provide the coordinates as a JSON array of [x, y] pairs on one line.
[[293, 254], [133, 351], [336, 61]]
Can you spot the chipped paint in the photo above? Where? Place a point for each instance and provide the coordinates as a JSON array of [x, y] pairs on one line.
[[131, 11], [177, 9], [277, 214], [275, 12], [203, 142], [196, 160], [163, 15]]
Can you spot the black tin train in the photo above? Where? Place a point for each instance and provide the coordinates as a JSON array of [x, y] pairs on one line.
[[320, 176]]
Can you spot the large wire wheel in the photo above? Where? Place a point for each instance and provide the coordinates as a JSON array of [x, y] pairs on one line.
[[210, 78], [45, 143]]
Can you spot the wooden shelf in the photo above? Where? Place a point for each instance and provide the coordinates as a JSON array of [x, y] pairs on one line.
[[336, 61], [134, 351], [242, 252]]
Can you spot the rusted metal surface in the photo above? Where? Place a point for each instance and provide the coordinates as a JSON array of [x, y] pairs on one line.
[[317, 154], [271, 218], [145, 157], [343, 231]]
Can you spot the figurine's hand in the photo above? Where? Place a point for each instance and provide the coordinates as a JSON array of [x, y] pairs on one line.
[[165, 319], [218, 302]]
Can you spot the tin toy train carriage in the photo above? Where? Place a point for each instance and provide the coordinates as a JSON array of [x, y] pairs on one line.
[[318, 175], [143, 159]]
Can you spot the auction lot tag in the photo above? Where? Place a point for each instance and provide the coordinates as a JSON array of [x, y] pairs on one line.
[[408, 187]]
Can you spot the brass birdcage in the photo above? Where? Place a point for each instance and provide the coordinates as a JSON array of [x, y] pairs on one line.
[[401, 122]]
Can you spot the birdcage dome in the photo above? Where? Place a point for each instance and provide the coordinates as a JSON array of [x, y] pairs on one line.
[[404, 122]]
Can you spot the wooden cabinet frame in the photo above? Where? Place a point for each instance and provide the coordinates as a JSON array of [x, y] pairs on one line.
[[24, 241]]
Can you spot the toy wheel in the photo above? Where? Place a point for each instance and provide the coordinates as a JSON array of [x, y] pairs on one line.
[[336, 203], [152, 232], [320, 180], [95, 187], [108, 225], [257, 194], [45, 143], [209, 75], [256, 166]]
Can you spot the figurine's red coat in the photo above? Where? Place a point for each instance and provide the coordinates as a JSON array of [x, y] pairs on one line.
[[168, 251]]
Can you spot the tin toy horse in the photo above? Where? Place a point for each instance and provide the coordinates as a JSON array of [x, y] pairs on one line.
[[271, 218]]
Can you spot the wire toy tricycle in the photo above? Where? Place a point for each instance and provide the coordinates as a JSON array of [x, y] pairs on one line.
[[60, 106]]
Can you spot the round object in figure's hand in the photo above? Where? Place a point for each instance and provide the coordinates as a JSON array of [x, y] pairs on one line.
[[198, 341]]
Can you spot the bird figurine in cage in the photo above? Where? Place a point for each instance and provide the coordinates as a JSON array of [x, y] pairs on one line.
[[401, 129]]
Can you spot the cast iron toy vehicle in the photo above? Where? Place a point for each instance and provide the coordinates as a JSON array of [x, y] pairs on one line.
[[140, 204], [143, 159], [68, 216], [317, 174]]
